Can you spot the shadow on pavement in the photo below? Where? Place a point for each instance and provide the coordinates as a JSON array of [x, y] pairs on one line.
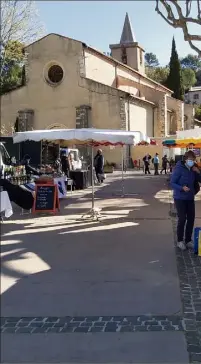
[[122, 265]]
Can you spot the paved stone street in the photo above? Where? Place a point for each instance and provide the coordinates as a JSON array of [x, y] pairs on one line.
[[101, 292]]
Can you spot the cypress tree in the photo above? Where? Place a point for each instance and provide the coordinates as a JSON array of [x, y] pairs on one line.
[[174, 81]]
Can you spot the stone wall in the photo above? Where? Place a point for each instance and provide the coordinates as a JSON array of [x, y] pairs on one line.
[[122, 106], [188, 116], [83, 116], [176, 106], [158, 98], [25, 120]]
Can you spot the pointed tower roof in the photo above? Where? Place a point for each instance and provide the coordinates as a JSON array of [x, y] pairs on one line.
[[127, 35]]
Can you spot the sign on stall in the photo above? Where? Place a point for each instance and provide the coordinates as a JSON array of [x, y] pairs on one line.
[[46, 198], [197, 152], [60, 182]]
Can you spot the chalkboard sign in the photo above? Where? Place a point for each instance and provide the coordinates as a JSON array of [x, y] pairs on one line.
[[46, 198]]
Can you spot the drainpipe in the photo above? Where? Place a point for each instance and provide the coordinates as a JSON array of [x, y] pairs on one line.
[[153, 122], [129, 126], [116, 83]]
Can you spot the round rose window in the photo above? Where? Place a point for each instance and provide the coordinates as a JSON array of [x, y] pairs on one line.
[[55, 74]]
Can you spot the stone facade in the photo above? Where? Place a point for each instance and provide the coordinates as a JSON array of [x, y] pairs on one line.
[[83, 116], [89, 94], [25, 120], [122, 114]]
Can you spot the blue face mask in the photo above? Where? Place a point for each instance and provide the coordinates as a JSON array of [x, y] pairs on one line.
[[190, 163]]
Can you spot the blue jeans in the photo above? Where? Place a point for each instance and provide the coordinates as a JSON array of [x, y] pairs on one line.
[[186, 218]]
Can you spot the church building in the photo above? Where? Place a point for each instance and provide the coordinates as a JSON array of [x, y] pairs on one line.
[[72, 85]]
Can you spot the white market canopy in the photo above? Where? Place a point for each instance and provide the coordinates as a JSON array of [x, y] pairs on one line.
[[189, 134], [83, 136]]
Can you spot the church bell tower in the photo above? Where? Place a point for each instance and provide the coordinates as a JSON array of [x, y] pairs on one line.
[[128, 51]]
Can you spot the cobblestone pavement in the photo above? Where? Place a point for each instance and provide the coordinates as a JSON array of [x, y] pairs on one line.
[[189, 270], [36, 325]]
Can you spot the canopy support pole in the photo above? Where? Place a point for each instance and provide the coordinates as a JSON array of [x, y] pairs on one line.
[[93, 213], [122, 171], [92, 176], [123, 194]]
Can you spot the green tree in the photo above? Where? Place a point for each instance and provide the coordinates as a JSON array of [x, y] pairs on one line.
[[198, 113], [174, 80], [191, 61], [11, 67], [20, 24], [158, 74], [151, 60], [188, 78]]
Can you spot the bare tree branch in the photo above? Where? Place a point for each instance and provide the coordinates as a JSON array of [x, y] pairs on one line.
[[180, 20], [20, 22]]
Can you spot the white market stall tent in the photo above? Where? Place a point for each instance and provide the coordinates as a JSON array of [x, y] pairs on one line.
[[92, 137], [83, 136]]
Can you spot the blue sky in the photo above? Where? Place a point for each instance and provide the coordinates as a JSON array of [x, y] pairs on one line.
[[100, 23]]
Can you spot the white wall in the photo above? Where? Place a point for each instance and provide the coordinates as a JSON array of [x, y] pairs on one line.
[[131, 90], [190, 97], [99, 69], [141, 119]]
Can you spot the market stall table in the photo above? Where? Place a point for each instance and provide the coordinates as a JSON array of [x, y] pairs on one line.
[[81, 178], [5, 204], [90, 136]]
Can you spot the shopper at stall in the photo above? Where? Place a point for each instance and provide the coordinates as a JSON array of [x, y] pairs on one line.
[[57, 165], [164, 164], [99, 166], [185, 184], [29, 169], [71, 161], [146, 161], [65, 164]]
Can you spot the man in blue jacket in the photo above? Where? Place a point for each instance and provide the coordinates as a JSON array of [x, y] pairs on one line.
[[185, 184]]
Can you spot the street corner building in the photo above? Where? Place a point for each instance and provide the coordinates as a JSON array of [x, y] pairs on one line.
[[69, 84]]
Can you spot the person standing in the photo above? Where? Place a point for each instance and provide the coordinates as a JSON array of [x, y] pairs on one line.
[[156, 164], [185, 184], [65, 164], [171, 164], [164, 164], [99, 166], [146, 161]]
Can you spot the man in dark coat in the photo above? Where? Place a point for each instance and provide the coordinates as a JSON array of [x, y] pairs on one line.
[[164, 164], [65, 164], [99, 165], [146, 161]]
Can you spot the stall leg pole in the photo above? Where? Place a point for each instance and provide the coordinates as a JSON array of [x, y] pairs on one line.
[[122, 170], [93, 213], [41, 153], [92, 175]]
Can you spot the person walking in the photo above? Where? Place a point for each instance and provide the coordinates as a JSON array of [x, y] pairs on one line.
[[156, 161], [185, 184], [164, 164], [171, 164], [146, 161], [99, 166]]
